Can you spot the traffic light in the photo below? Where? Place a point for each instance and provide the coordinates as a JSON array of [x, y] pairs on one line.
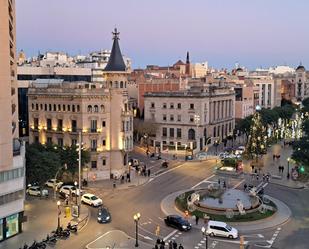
[[302, 169]]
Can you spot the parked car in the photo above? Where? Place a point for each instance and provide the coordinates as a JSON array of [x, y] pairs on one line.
[[69, 190], [240, 150], [104, 215], [201, 156], [51, 183], [178, 222], [91, 200], [36, 191], [218, 228], [223, 155]]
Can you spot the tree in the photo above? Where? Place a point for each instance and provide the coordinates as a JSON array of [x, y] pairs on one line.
[[243, 125], [142, 128], [257, 137], [269, 117], [41, 164]]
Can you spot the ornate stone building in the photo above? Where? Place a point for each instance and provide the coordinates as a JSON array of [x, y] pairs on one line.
[[58, 111]]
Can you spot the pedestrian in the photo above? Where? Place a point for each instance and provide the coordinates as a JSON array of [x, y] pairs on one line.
[[174, 244], [196, 219], [263, 177], [282, 169], [257, 177], [274, 157], [255, 171], [148, 172], [267, 177], [156, 246], [245, 187], [252, 167], [162, 245], [224, 185], [170, 245], [114, 184], [128, 177], [122, 179], [180, 246], [279, 168]]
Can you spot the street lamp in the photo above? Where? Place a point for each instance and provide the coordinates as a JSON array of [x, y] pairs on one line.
[[288, 173], [59, 212], [206, 236], [75, 184], [136, 218]]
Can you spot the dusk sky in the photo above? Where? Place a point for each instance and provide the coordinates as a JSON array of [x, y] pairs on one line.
[[254, 33]]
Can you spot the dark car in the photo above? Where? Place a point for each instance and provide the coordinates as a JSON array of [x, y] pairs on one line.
[[178, 222], [103, 215]]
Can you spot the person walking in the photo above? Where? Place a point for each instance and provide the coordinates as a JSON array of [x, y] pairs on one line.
[[224, 185], [196, 219], [148, 172], [170, 245], [245, 187], [180, 246]]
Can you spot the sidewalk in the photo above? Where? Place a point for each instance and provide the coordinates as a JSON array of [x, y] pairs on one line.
[[282, 215], [271, 166]]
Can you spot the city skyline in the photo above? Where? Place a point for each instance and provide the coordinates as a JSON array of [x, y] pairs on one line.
[[221, 33]]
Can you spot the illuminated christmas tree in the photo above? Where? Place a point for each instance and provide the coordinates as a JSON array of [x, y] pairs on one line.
[[257, 140]]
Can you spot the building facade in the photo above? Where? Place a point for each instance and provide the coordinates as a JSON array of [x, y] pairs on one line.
[[191, 119], [247, 98], [12, 152], [58, 112]]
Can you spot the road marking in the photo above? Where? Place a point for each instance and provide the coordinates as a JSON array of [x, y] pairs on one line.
[[254, 236], [160, 218], [202, 181], [170, 234], [265, 184], [231, 241], [276, 233], [238, 183], [145, 237]]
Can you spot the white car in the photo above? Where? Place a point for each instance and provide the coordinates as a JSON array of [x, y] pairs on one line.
[[240, 150], [70, 190], [218, 228], [201, 156], [36, 191], [51, 183], [91, 200]]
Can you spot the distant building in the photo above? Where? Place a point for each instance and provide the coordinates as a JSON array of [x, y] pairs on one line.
[[12, 151], [301, 83], [58, 111], [191, 118]]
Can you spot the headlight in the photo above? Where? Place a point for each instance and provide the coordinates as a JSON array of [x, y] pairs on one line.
[[99, 218], [184, 227], [108, 217]]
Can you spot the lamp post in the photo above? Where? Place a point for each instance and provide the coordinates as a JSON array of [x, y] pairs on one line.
[[75, 184], [136, 218], [197, 119], [59, 212], [206, 236], [288, 173]]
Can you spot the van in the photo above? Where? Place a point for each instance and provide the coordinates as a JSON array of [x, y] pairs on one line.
[[218, 228]]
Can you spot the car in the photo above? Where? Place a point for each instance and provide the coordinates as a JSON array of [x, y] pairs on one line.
[[104, 215], [91, 200], [51, 183], [178, 222], [218, 228], [36, 191], [223, 155], [201, 156], [69, 190], [240, 150]]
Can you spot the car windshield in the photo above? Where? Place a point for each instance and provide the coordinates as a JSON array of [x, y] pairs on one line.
[[103, 212], [93, 198], [228, 228]]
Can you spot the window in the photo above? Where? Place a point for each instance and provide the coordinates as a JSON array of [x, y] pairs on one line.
[[37, 107], [74, 142], [152, 105], [172, 118], [164, 131], [103, 123], [152, 116], [164, 105], [69, 108], [93, 164], [171, 105], [36, 123], [60, 142], [32, 106], [93, 145], [103, 142], [191, 134], [49, 140], [73, 108], [191, 118], [179, 106], [41, 106], [93, 126], [191, 106], [55, 108], [164, 117], [73, 125], [102, 108], [178, 132], [104, 162], [12, 225], [96, 108], [36, 139], [178, 118], [89, 109], [63, 108], [78, 108], [49, 124], [59, 108], [59, 125], [171, 132], [50, 107]]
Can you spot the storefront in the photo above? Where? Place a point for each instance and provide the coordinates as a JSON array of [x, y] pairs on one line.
[[10, 225]]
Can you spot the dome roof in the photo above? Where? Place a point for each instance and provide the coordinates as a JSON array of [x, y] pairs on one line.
[[300, 67]]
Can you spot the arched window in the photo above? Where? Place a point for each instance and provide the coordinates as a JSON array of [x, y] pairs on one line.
[[37, 106], [191, 134], [50, 107], [116, 84], [69, 108], [78, 108], [215, 132], [59, 108], [121, 84], [55, 107], [110, 84], [89, 109], [73, 108], [63, 108], [102, 108], [45, 107], [96, 108], [32, 106], [41, 106]]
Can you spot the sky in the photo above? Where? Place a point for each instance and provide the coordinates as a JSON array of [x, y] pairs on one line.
[[252, 33]]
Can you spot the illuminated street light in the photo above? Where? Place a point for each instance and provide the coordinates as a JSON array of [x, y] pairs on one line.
[[136, 218]]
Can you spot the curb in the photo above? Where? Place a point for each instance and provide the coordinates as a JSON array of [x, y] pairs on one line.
[[283, 185]]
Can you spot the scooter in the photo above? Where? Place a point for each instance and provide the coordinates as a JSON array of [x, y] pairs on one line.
[[72, 228], [51, 240], [62, 233], [37, 245]]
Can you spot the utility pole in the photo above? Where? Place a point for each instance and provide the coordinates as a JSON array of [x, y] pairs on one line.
[[79, 160]]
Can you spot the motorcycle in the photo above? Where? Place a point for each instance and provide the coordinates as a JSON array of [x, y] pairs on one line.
[[72, 228], [37, 245], [51, 240], [61, 233]]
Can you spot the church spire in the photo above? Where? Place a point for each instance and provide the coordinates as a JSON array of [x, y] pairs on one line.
[[115, 62], [188, 58]]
